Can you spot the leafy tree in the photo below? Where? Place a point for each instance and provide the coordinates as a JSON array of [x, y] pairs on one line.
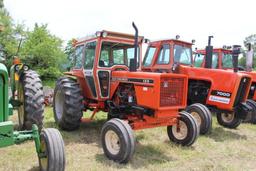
[[8, 43], [69, 51], [43, 52]]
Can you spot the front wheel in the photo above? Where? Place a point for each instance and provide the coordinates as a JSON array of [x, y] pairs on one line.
[[117, 140], [228, 120], [185, 132], [52, 156], [202, 116]]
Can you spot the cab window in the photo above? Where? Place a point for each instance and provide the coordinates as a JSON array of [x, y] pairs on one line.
[[116, 54], [182, 54], [227, 61], [215, 60], [164, 55], [149, 56], [79, 56], [89, 55], [199, 58]]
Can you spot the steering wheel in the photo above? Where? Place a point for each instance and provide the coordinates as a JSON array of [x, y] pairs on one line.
[[120, 68]]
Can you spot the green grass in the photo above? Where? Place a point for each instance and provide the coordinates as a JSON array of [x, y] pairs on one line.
[[49, 83], [223, 149]]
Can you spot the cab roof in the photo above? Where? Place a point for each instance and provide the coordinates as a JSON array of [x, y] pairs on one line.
[[172, 41], [107, 34]]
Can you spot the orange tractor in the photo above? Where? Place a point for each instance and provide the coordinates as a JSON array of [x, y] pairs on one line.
[[222, 59], [223, 92], [105, 78]]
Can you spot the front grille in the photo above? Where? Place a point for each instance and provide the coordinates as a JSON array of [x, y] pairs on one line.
[[171, 92], [244, 83]]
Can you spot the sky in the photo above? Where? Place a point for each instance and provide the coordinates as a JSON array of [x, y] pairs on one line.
[[229, 21]]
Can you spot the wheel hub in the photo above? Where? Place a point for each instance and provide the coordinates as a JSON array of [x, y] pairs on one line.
[[180, 132], [59, 103], [197, 117], [227, 117], [21, 110], [112, 142]]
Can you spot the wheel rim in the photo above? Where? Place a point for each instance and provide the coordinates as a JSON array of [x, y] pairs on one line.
[[59, 104], [180, 133], [197, 117], [43, 159], [21, 109], [227, 117], [112, 142]]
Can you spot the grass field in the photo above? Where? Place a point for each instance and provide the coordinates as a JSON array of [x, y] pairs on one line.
[[223, 149]]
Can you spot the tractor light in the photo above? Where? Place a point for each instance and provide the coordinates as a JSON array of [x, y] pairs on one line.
[[193, 41], [25, 67], [104, 34], [98, 34], [17, 67], [177, 37], [146, 41]]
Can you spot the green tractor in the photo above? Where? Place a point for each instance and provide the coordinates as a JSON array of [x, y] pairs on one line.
[[27, 99]]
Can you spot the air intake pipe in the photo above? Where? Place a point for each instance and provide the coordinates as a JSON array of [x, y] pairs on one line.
[[235, 53], [133, 61], [208, 55]]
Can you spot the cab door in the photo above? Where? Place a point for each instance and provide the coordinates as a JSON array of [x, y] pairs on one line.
[[89, 51]]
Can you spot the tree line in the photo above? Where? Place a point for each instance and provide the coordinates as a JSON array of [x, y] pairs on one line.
[[42, 50]]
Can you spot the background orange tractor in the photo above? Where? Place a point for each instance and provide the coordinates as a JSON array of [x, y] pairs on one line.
[[222, 91], [222, 59], [105, 78]]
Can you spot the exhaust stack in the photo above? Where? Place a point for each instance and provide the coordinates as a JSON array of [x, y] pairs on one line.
[[235, 53], [249, 58], [208, 55], [133, 61]]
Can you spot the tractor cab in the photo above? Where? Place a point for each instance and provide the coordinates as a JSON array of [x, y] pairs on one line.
[[97, 56], [162, 56], [221, 58]]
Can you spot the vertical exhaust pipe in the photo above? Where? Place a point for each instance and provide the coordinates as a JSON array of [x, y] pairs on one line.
[[208, 55], [249, 57], [133, 61], [235, 53]]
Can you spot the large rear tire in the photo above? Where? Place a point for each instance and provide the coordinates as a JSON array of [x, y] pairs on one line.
[[118, 140], [30, 94], [67, 104], [202, 116], [228, 120], [52, 146], [187, 132]]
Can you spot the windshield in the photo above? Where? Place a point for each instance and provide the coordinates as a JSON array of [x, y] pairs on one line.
[[113, 53], [227, 61], [198, 60], [182, 54], [149, 56]]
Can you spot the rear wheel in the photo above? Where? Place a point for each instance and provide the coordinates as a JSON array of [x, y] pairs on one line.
[[202, 116], [187, 131], [252, 116], [30, 94], [52, 157], [117, 140], [229, 120], [67, 104]]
